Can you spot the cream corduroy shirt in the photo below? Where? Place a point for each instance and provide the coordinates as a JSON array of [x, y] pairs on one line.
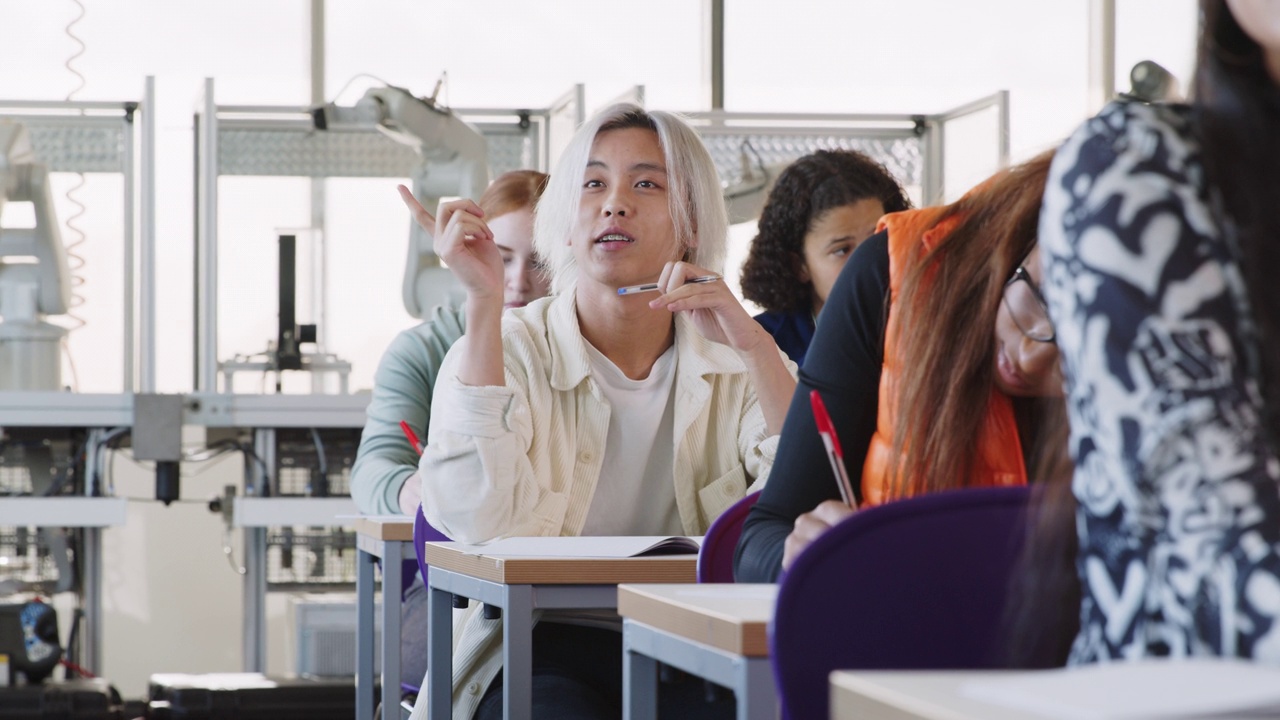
[[523, 459]]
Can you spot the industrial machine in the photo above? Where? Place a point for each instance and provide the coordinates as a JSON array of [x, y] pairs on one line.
[[29, 637], [453, 161], [35, 280]]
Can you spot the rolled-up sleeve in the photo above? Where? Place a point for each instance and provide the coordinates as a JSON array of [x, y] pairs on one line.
[[477, 477]]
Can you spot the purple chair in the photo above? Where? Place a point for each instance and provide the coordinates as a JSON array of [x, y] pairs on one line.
[[911, 585], [422, 533], [715, 558]]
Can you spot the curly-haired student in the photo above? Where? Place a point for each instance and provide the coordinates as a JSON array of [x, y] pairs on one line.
[[821, 208]]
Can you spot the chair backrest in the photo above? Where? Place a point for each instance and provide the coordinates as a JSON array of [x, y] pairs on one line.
[[715, 559], [913, 584], [424, 533]]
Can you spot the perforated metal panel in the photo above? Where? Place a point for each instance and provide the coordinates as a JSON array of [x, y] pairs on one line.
[[901, 156], [67, 148], [299, 151], [510, 151]]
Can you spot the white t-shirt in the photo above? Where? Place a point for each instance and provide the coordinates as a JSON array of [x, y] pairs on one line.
[[636, 493]]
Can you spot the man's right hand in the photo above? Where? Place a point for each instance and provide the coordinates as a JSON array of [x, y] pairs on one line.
[[463, 240]]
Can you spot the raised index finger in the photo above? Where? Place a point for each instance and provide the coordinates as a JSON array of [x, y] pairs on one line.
[[424, 217]]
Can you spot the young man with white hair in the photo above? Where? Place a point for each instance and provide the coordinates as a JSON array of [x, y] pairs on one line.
[[593, 412]]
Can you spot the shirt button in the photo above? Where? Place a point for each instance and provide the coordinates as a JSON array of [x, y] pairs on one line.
[[473, 688], [585, 456]]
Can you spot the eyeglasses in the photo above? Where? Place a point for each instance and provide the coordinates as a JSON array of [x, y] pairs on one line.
[[1027, 307]]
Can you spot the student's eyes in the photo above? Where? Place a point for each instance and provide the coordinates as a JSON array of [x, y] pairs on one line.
[[593, 184], [647, 184], [507, 260], [841, 251]]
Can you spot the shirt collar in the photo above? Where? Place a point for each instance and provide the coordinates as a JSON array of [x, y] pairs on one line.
[[696, 356]]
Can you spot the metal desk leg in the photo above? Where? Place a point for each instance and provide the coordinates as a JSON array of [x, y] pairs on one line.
[[517, 653], [255, 600], [92, 598], [755, 694], [364, 635], [639, 681], [391, 570], [439, 651]]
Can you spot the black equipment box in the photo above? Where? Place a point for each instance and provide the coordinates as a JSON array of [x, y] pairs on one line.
[[249, 696], [71, 700]]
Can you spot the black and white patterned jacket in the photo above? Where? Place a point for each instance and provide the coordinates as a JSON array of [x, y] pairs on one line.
[[1179, 489]]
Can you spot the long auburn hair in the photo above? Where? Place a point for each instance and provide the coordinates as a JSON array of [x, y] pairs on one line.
[[946, 310]]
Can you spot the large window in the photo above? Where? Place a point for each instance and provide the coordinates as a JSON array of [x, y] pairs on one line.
[[802, 56]]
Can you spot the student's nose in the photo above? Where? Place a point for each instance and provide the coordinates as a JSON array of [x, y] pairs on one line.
[[617, 202], [519, 278], [1037, 358]]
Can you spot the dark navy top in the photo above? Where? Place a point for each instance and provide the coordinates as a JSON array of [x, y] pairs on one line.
[[845, 364], [792, 331]]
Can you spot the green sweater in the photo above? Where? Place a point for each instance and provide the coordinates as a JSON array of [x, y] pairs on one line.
[[402, 390]]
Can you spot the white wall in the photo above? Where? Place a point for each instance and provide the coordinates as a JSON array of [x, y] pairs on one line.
[[172, 602]]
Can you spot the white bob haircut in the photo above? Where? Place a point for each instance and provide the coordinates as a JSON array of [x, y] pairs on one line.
[[697, 201]]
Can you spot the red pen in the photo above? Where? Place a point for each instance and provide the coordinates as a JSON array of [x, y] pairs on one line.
[[413, 437], [834, 454]]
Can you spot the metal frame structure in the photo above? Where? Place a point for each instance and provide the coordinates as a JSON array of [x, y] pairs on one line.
[[913, 147], [102, 137], [281, 141]]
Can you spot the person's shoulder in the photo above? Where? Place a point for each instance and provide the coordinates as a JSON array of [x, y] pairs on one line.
[[870, 260], [532, 318], [1138, 130], [527, 331], [1125, 142], [1120, 114], [440, 331], [773, 321]]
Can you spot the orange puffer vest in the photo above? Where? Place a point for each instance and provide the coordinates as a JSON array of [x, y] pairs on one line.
[[999, 459]]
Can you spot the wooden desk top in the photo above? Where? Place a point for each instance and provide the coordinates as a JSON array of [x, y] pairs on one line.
[[563, 570], [918, 695], [386, 527], [732, 617]]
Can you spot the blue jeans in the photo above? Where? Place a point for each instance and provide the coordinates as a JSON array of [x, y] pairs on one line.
[[577, 675]]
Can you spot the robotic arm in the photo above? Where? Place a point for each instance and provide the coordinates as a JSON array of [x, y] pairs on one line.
[[33, 261], [35, 279], [745, 197], [452, 161]]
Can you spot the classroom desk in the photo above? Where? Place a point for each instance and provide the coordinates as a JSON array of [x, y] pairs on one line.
[[519, 586], [718, 632], [914, 695], [1201, 687], [389, 537]]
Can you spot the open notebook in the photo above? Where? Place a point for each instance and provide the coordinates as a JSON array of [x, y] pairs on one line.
[[1170, 689], [587, 547]]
